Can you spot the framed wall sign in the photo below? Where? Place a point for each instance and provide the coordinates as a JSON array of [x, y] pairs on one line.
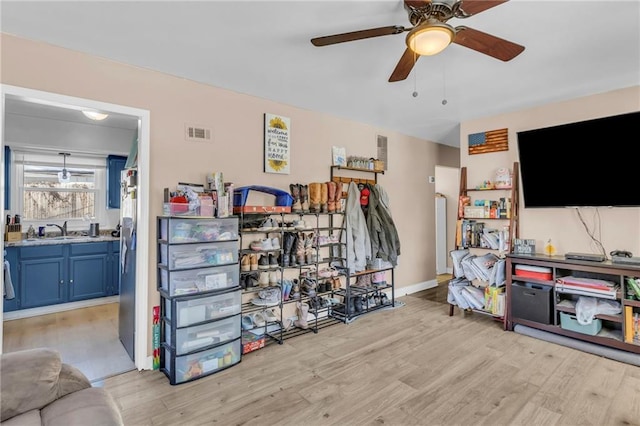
[[277, 144]]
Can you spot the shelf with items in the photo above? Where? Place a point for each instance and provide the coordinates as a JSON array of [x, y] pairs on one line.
[[601, 284], [470, 218], [475, 237], [198, 282]]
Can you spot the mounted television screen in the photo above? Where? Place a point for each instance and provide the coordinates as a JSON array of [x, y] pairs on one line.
[[591, 163]]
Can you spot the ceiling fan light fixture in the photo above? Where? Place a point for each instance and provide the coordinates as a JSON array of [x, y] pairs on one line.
[[430, 38], [94, 115]]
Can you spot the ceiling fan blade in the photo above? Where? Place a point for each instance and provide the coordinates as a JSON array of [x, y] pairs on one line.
[[486, 43], [357, 35], [417, 4], [473, 7], [404, 66]]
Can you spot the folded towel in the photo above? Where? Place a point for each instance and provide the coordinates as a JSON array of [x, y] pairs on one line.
[[7, 290]]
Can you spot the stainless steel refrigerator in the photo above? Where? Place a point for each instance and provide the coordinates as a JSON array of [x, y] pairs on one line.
[[128, 243]]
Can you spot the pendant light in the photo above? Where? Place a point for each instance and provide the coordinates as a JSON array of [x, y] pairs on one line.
[[64, 176]]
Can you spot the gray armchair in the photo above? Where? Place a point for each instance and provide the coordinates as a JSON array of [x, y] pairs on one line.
[[37, 388]]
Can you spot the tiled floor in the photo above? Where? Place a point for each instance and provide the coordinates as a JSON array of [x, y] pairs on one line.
[[87, 338]]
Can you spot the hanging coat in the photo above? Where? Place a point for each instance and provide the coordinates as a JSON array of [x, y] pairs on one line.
[[357, 241], [385, 243]]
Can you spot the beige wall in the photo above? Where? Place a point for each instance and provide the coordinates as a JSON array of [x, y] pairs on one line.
[[620, 226], [237, 147]]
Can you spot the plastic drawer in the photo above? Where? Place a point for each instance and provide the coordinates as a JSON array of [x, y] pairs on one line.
[[185, 256], [191, 339], [193, 230], [191, 281], [184, 368], [196, 309]]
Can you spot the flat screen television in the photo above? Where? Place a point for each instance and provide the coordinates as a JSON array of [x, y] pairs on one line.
[[593, 163]]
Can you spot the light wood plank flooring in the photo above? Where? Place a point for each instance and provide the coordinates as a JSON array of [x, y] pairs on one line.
[[413, 365], [86, 338]]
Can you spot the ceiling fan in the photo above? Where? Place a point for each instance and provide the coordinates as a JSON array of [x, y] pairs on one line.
[[430, 33]]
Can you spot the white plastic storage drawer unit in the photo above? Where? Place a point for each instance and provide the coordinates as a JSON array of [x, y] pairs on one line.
[[190, 310], [193, 338], [193, 230], [183, 368], [190, 281], [184, 256]]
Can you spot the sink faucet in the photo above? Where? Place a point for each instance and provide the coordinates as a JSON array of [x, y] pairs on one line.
[[63, 228]]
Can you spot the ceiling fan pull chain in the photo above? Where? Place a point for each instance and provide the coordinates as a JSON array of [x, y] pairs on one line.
[[415, 90], [444, 82]]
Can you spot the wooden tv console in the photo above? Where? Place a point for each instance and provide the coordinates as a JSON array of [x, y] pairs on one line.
[[613, 326]]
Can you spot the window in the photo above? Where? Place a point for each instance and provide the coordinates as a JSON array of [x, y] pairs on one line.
[[49, 195], [42, 197]]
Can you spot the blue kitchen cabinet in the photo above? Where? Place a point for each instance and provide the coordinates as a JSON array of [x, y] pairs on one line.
[[11, 256], [115, 165], [42, 276], [88, 268], [60, 273]]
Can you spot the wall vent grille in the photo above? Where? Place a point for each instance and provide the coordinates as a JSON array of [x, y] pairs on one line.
[[197, 133]]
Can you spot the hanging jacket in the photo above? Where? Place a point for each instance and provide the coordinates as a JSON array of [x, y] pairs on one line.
[[385, 242], [357, 241]]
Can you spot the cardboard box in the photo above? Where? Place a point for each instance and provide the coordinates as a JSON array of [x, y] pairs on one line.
[[251, 342]]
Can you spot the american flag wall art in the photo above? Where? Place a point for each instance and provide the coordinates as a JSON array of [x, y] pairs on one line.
[[491, 141]]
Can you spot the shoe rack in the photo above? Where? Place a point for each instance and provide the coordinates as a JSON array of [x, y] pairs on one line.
[[364, 291], [200, 296], [260, 253]]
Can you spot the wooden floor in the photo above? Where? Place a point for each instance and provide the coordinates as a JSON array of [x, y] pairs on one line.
[[86, 338], [413, 365]]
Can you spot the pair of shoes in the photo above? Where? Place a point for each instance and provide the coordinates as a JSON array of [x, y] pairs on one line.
[[269, 224], [328, 272], [270, 315], [263, 262], [378, 279], [250, 280], [263, 245]]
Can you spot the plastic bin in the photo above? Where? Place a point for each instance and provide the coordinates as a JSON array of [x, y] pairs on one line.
[[533, 302], [570, 322]]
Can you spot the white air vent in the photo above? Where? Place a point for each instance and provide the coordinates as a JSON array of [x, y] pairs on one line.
[[382, 150], [197, 133]]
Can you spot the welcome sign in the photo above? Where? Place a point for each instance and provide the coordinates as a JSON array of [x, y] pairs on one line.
[[277, 144]]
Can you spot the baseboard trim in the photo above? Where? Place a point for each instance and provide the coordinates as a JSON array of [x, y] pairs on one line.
[[52, 309], [414, 288]]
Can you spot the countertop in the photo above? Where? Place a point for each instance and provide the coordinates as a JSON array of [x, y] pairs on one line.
[[59, 240]]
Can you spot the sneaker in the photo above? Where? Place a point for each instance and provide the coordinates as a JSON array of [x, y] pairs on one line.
[[261, 245], [245, 263], [378, 279], [273, 278], [275, 243], [299, 224], [263, 280], [247, 322], [263, 263], [273, 260], [253, 259], [269, 224]]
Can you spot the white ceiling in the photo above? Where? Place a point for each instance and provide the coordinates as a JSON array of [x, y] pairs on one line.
[[572, 48]]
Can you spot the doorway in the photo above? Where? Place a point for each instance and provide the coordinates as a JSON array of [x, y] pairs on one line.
[[140, 321]]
